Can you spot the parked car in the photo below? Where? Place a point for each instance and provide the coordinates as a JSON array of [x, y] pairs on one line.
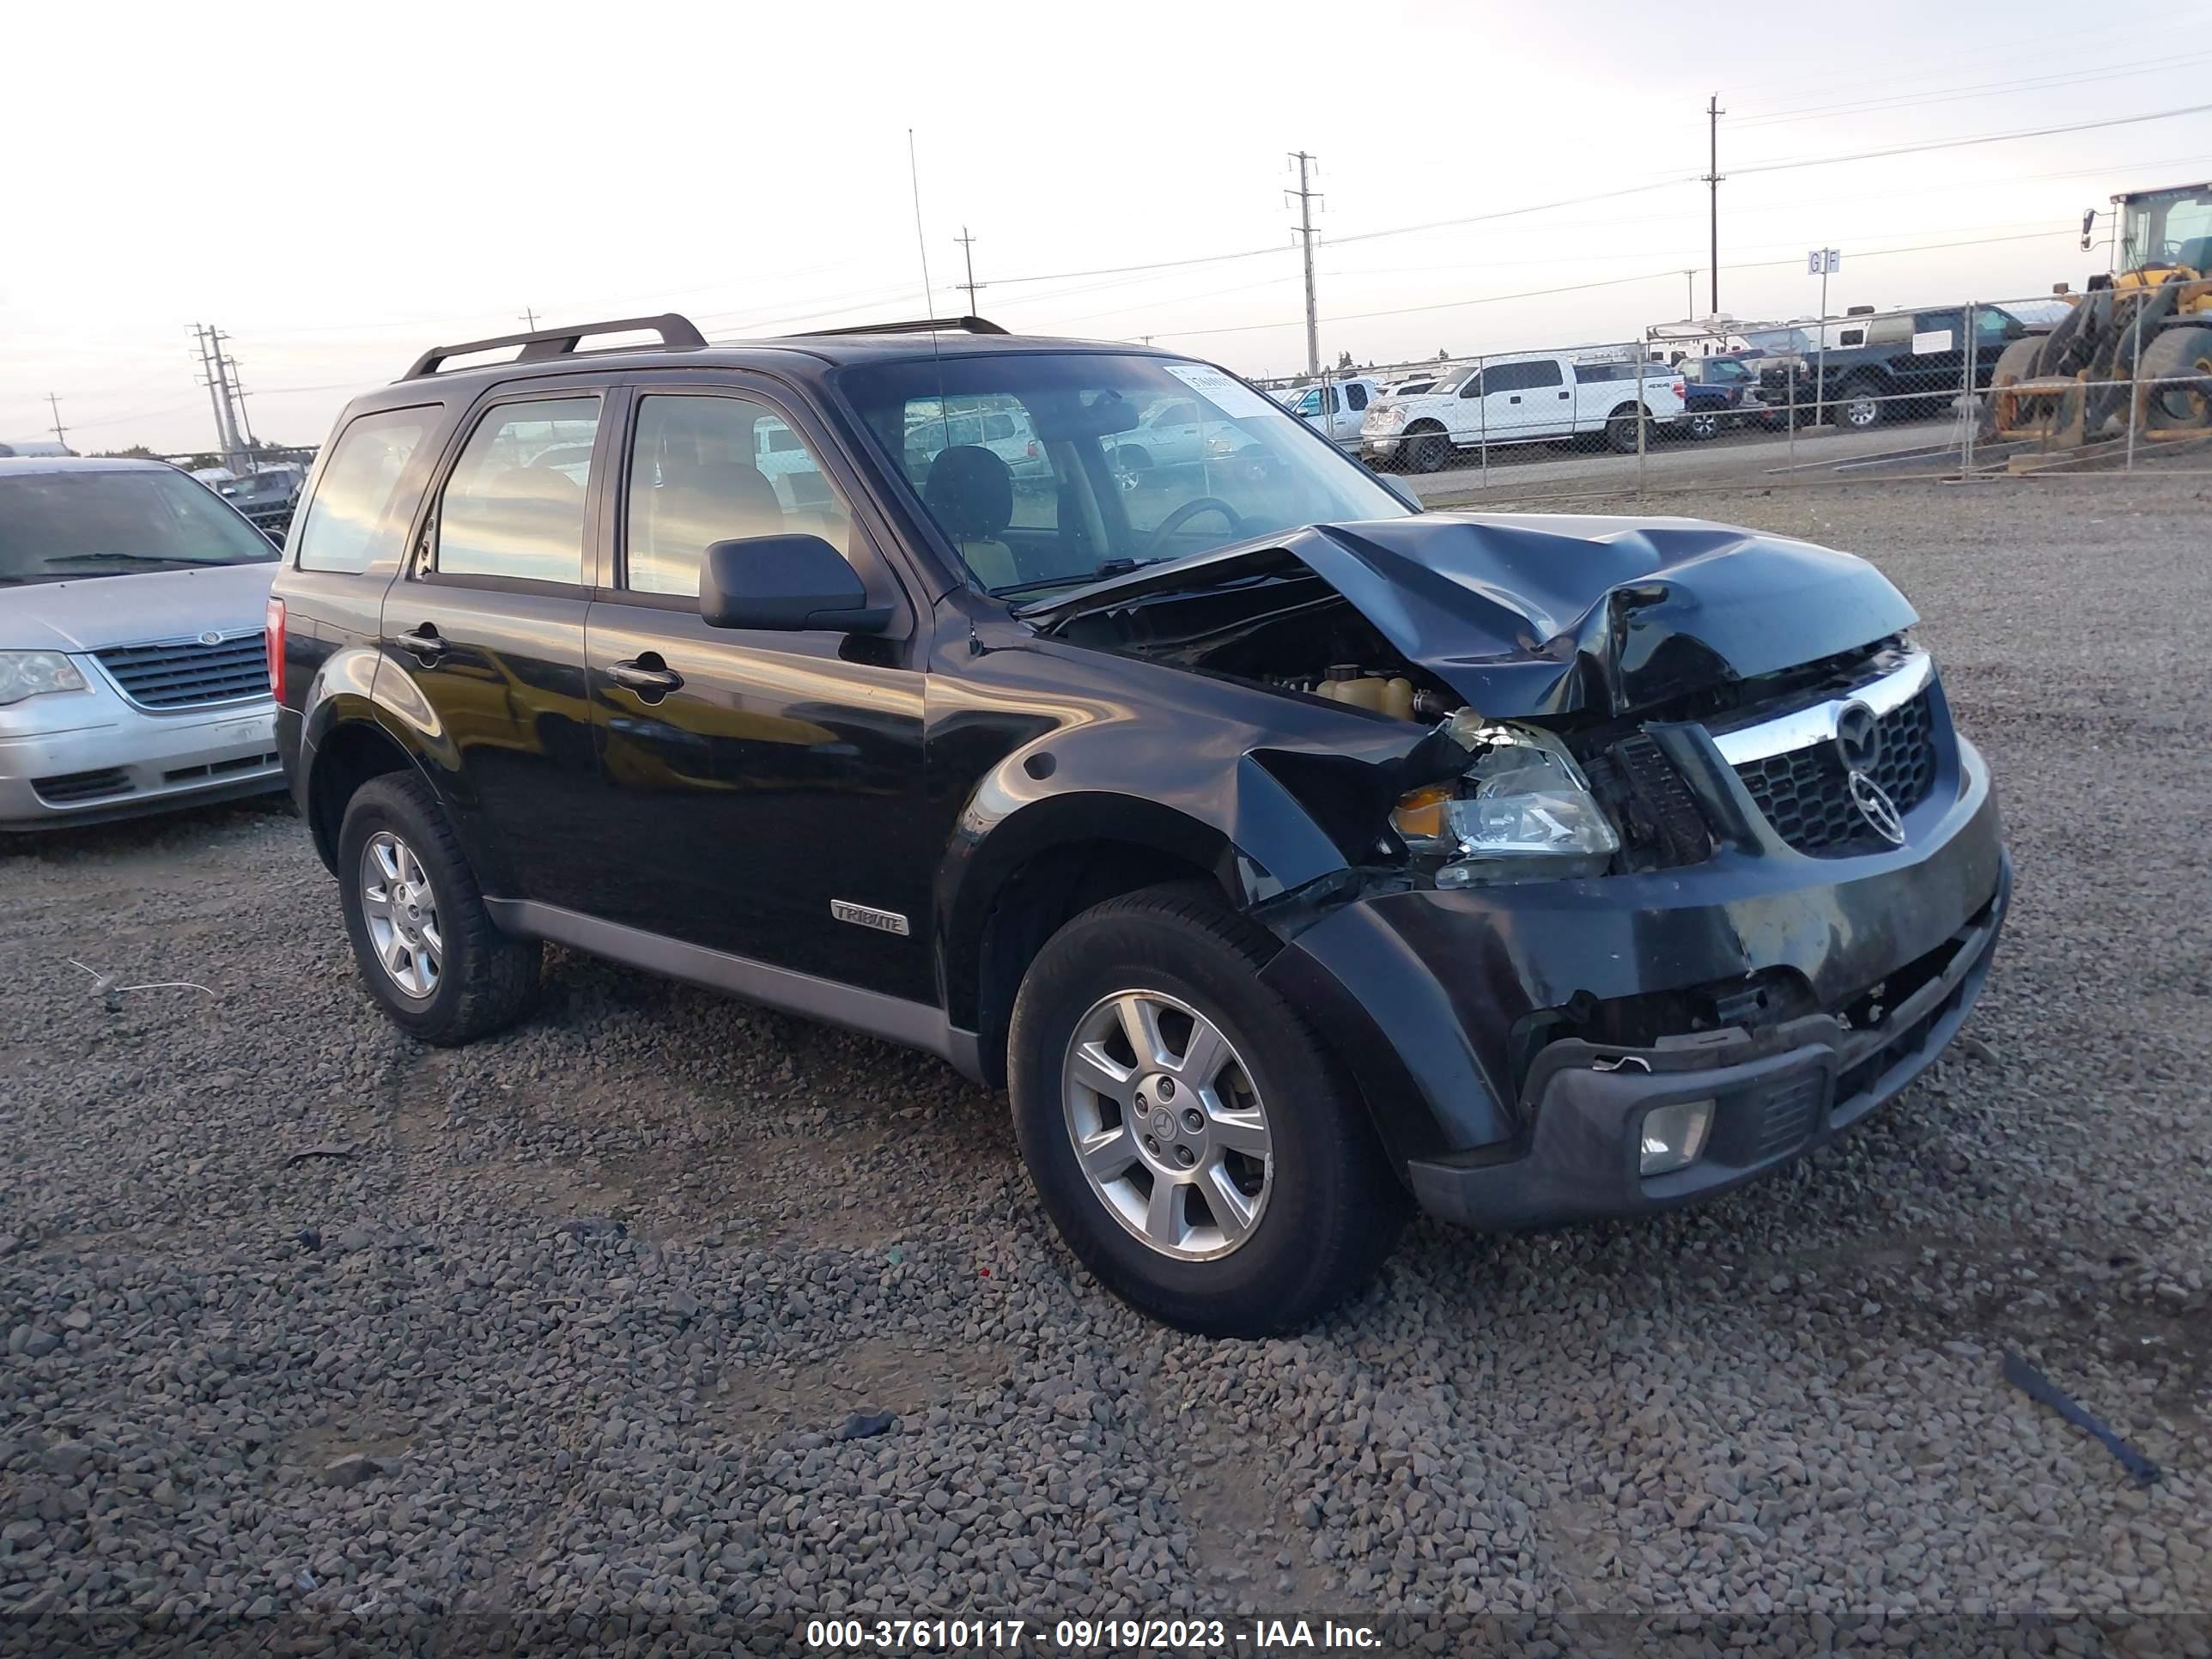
[[1171, 811], [1412, 388], [1517, 399], [1336, 408], [1898, 365], [1719, 392], [133, 677]]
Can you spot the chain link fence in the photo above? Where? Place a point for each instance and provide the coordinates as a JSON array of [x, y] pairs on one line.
[[2041, 385]]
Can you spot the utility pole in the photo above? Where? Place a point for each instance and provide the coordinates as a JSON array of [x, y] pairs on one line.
[[61, 436], [1306, 199], [217, 382], [1713, 113], [530, 317], [237, 391], [967, 253], [1690, 293]]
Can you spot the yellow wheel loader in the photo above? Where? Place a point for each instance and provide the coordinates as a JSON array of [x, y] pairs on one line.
[[2141, 337]]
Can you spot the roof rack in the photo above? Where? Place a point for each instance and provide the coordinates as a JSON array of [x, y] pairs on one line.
[[676, 334], [919, 326]]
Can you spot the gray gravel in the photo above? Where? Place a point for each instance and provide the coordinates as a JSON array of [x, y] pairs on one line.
[[577, 1323]]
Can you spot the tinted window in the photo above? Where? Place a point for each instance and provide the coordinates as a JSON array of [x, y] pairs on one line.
[[1521, 377], [514, 505], [95, 522], [355, 519], [1356, 396], [705, 470]]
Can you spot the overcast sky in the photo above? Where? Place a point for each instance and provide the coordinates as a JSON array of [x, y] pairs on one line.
[[338, 186]]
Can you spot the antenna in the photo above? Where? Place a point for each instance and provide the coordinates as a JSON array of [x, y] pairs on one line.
[[913, 176]]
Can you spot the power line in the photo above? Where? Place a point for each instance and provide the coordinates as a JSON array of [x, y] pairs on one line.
[[1982, 139], [1613, 282], [1983, 89]]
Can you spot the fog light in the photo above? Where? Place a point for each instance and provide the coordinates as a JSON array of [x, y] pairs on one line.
[[1674, 1136]]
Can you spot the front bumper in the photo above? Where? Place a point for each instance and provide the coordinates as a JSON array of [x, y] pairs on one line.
[[113, 761], [1777, 1094], [1510, 1039], [1381, 447]]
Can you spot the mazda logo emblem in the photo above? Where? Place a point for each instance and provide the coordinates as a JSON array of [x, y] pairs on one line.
[[1877, 808], [1858, 737]]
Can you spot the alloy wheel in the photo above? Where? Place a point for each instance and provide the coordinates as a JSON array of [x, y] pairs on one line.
[[1167, 1126], [401, 915]]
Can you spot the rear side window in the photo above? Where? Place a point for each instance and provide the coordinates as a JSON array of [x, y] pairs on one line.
[[1356, 396], [514, 504], [355, 519]]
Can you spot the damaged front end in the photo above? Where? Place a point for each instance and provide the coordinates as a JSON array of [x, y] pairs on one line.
[[1670, 863]]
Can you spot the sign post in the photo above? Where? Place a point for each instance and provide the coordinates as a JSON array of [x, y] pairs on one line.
[[1822, 262]]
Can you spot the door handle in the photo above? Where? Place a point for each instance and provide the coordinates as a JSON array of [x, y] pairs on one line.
[[423, 641], [651, 680], [1564, 396], [1515, 398]]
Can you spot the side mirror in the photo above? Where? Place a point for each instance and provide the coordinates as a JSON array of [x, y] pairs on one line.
[[788, 583], [2014, 329]]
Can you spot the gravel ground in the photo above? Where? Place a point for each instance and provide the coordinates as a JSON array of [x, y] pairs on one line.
[[313, 1336]]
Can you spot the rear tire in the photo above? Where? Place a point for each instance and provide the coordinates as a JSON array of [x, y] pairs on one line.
[[2180, 352], [1267, 1109], [426, 945], [1703, 425], [1620, 429]]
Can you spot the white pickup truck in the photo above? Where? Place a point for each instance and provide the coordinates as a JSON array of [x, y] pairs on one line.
[[1521, 398], [1336, 410]]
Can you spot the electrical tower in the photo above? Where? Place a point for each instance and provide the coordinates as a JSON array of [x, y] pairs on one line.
[[967, 253], [1306, 198], [61, 435], [530, 316]]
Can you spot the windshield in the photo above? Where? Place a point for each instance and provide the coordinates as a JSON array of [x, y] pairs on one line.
[[1044, 469], [64, 525], [2170, 228]]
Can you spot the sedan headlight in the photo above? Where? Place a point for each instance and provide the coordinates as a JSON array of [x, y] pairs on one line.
[[30, 673], [1523, 811]]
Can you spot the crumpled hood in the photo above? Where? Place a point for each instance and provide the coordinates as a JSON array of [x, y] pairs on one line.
[[91, 613], [1531, 614]]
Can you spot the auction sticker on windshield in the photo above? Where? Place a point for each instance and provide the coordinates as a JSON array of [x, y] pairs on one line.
[[1224, 391]]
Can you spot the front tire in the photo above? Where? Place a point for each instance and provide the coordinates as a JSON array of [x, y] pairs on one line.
[[1197, 1145], [426, 945], [1425, 451], [2182, 358], [1704, 425], [1860, 408]]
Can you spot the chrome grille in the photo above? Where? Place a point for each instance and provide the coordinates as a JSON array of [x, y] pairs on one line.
[[1805, 792], [186, 674]]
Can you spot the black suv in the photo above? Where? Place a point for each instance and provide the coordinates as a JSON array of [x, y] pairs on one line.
[[1287, 852]]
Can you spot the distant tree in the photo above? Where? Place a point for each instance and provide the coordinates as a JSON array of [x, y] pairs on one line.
[[1441, 354], [1344, 359], [135, 452]]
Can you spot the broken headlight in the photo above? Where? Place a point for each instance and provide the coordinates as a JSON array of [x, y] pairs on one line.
[[1521, 811]]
